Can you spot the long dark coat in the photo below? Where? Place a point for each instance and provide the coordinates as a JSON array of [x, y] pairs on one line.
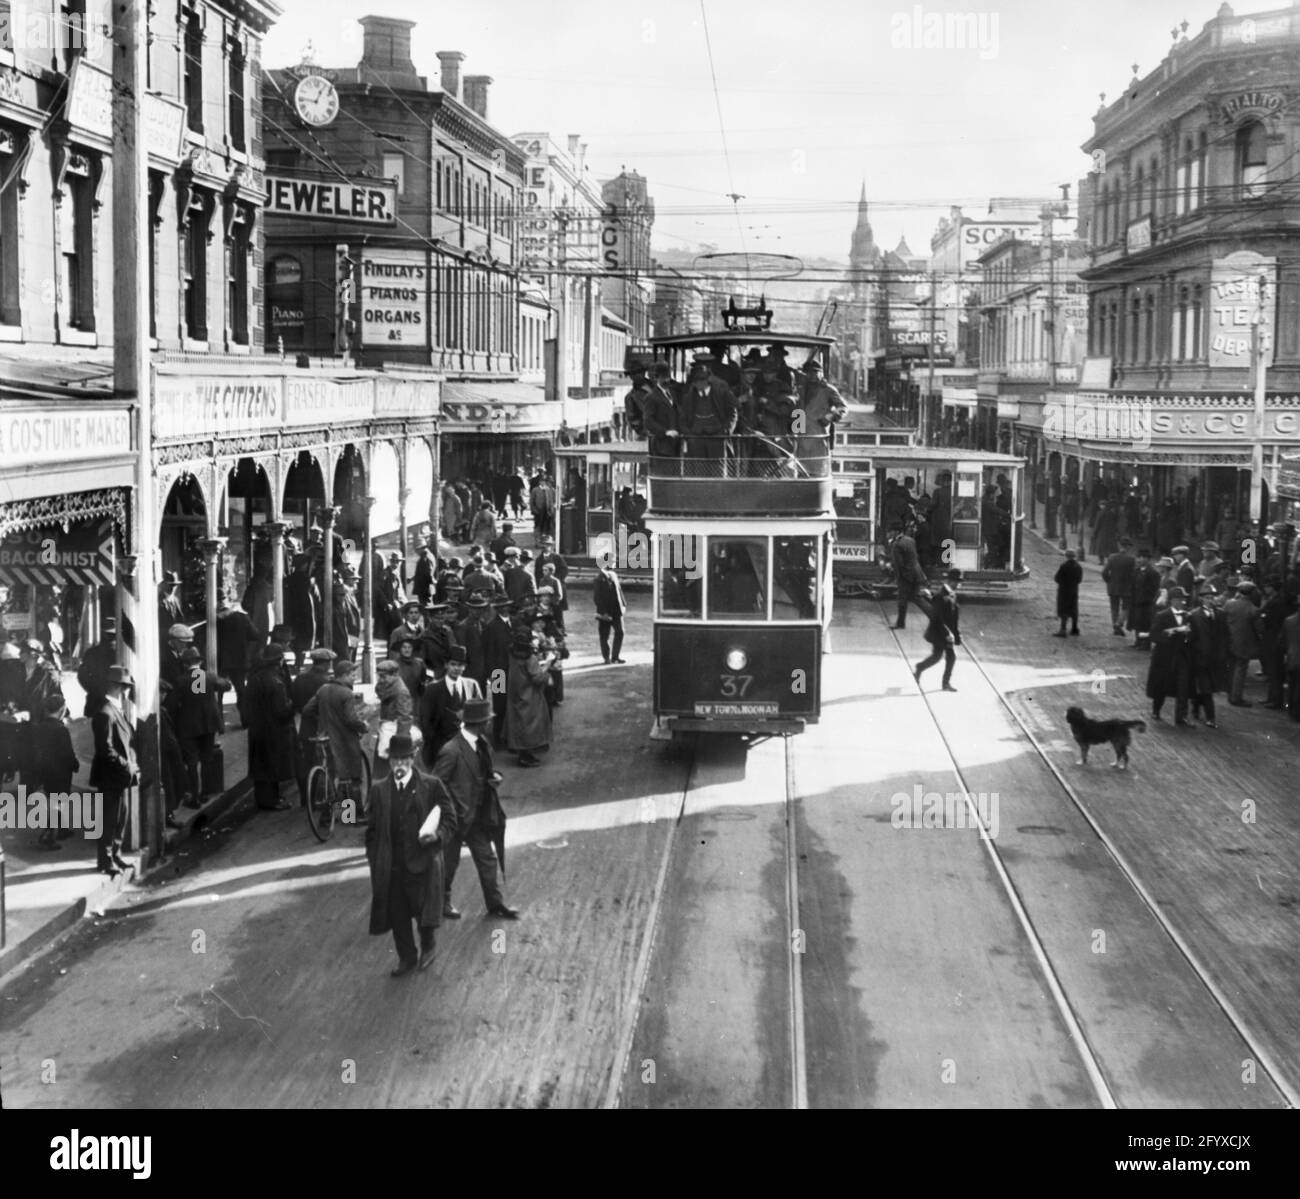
[[1209, 651], [421, 860], [528, 715], [1068, 577], [302, 608], [1146, 586], [269, 719], [1170, 671]]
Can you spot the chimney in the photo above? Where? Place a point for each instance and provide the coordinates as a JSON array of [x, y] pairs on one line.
[[476, 94], [386, 52], [451, 60], [573, 144]]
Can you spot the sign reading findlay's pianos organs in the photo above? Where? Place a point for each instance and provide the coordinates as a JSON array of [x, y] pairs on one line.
[[394, 298], [58, 434], [368, 202]]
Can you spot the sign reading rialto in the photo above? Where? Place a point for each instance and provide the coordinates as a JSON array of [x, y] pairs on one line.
[[368, 202], [394, 297], [1234, 308]]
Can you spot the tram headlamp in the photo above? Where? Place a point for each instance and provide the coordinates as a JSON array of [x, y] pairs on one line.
[[737, 659]]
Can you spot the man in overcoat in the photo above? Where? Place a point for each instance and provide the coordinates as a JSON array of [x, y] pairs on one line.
[[465, 766], [943, 631], [269, 721], [1142, 605], [114, 767], [1170, 671], [1068, 577], [405, 867], [1209, 654], [335, 710], [1118, 574], [908, 574]]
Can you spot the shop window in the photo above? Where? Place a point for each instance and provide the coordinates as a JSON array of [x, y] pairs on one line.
[[284, 302], [195, 279], [192, 67], [237, 75], [1252, 160], [76, 244]]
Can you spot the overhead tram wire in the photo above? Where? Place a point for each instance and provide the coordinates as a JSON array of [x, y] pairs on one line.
[[733, 195]]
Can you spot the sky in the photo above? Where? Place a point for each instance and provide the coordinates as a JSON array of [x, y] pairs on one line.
[[812, 99]]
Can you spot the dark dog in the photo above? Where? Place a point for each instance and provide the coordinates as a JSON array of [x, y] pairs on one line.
[[1088, 732]]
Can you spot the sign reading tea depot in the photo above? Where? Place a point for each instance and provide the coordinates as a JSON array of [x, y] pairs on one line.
[[1234, 308]]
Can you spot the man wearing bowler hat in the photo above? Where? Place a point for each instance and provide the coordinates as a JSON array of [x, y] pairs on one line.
[[465, 766], [410, 816], [114, 767], [443, 702]]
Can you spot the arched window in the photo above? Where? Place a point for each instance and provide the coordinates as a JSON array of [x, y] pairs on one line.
[[1252, 159], [284, 302]]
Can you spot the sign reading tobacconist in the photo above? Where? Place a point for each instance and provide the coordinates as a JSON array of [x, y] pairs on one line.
[[371, 202]]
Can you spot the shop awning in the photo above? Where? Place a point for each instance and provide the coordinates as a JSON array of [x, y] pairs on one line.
[[960, 397]]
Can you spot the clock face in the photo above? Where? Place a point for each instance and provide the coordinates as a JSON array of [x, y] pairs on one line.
[[316, 99]]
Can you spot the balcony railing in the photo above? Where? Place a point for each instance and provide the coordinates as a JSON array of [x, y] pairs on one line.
[[742, 475]]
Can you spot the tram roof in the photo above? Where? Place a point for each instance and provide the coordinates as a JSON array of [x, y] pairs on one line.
[[744, 337], [622, 449]]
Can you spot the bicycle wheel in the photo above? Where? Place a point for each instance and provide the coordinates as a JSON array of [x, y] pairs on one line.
[[320, 804]]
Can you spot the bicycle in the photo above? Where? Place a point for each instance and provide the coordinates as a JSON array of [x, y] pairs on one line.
[[326, 793]]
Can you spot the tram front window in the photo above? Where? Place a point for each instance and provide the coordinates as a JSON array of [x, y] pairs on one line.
[[738, 578], [681, 583], [794, 578]]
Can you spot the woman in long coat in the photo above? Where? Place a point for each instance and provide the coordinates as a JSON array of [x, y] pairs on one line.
[[269, 719], [528, 715]]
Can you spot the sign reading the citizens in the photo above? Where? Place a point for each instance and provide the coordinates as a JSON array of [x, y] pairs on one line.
[[394, 297], [373, 202]]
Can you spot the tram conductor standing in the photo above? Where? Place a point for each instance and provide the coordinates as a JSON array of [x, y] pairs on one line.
[[943, 632], [659, 418]]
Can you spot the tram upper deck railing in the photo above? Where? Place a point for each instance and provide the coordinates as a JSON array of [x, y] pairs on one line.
[[741, 475]]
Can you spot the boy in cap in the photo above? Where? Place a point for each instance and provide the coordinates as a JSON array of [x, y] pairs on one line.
[[943, 631], [1068, 577]]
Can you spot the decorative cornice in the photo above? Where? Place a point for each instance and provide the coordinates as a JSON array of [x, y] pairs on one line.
[[60, 509]]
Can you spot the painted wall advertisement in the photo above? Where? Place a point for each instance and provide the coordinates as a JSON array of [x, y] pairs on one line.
[[394, 298], [1234, 307]]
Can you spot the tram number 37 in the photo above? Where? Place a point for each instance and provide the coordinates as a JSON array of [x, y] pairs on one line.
[[734, 686]]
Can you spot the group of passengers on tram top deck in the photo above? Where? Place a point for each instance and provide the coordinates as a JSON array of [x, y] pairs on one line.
[[758, 399]]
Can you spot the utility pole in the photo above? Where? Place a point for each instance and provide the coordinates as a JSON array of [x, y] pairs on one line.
[[562, 309], [929, 387], [1257, 513], [137, 589]]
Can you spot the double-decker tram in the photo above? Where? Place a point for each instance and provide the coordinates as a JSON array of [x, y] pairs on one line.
[[741, 530]]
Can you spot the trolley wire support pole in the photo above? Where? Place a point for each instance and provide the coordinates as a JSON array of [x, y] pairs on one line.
[[133, 384], [1257, 513]]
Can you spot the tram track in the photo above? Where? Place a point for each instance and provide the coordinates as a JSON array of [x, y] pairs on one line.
[[1087, 1054]]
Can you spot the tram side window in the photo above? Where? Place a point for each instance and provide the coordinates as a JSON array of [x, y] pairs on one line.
[[794, 578], [681, 578], [738, 578]]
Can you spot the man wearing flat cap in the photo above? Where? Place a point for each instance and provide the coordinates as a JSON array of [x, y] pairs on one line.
[[411, 625], [518, 579], [179, 638], [114, 767], [1244, 624], [301, 691], [410, 816], [1184, 575], [335, 710]]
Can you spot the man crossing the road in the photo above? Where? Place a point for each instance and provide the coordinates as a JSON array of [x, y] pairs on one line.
[[943, 632]]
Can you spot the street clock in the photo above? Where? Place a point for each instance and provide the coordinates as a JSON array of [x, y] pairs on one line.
[[316, 100]]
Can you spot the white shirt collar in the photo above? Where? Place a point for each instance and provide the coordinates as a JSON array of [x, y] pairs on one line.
[[472, 738]]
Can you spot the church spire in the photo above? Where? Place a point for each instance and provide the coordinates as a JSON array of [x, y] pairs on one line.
[[863, 252]]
